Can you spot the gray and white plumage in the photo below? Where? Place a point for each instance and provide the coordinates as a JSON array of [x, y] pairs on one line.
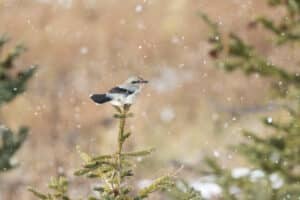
[[121, 94]]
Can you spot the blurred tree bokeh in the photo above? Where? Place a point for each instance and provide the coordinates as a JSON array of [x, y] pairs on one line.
[[12, 83], [274, 160]]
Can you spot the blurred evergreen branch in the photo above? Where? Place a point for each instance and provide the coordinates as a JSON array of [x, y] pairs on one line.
[[58, 185], [238, 55], [246, 186], [113, 170], [288, 27], [10, 145], [12, 84], [272, 155], [215, 37], [182, 191]]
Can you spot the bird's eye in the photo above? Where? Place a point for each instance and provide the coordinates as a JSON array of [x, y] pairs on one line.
[[134, 82]]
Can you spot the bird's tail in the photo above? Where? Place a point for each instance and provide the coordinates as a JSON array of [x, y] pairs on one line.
[[100, 98]]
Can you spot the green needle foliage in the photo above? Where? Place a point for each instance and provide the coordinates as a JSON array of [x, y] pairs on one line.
[[288, 27], [11, 85], [111, 170], [182, 191], [58, 185], [274, 156], [246, 187]]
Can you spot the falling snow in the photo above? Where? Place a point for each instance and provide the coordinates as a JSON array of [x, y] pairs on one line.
[[90, 46], [139, 8], [270, 120], [167, 114]]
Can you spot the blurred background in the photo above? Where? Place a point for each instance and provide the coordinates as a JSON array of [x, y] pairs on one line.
[[188, 110]]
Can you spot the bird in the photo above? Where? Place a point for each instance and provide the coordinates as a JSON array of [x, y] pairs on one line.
[[123, 94]]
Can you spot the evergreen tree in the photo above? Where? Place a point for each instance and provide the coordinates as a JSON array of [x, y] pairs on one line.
[[12, 84], [275, 158], [111, 170]]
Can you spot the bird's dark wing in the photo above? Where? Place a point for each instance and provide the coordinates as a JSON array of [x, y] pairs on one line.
[[100, 98], [118, 90]]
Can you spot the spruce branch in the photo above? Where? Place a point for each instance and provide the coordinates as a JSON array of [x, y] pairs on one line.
[[59, 186], [11, 143], [183, 191], [159, 184], [236, 54], [7, 62], [215, 37], [287, 30], [138, 153], [272, 154], [12, 83], [111, 170]]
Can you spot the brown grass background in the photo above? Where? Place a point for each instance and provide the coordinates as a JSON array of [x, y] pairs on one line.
[[190, 108]]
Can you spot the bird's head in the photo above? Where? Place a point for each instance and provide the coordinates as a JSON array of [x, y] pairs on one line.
[[136, 80]]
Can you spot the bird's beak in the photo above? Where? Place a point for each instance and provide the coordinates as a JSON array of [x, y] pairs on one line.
[[143, 81]]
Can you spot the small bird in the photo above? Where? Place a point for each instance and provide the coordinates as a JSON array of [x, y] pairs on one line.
[[121, 94]]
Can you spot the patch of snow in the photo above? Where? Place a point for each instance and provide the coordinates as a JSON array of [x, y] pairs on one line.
[[208, 190], [144, 183], [276, 180], [240, 172], [234, 190], [256, 174]]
